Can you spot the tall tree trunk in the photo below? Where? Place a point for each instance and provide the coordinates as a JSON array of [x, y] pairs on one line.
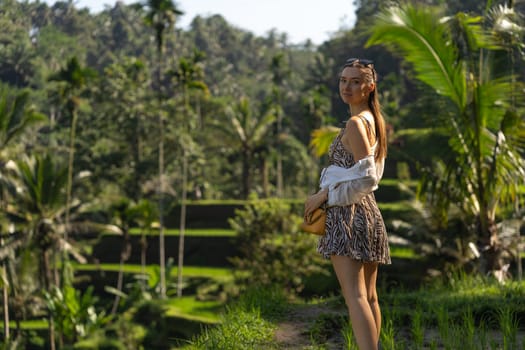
[[265, 178], [124, 256], [5, 296], [143, 248], [137, 158], [47, 281], [182, 222], [71, 158], [279, 155], [491, 248], [5, 299], [11, 283], [162, 250], [51, 329], [246, 176]]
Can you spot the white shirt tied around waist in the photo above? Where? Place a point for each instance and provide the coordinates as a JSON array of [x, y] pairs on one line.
[[349, 185]]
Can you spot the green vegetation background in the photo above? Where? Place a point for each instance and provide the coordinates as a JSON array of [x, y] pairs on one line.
[[237, 112]]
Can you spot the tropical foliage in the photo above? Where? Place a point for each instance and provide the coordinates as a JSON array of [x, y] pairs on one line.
[[458, 57], [109, 121]]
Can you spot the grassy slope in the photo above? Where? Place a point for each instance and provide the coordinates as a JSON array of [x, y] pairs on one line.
[[468, 313]]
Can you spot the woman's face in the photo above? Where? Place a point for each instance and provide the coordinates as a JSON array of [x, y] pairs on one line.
[[352, 86]]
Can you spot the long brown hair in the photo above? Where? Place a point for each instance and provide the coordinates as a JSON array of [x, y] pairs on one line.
[[370, 75]]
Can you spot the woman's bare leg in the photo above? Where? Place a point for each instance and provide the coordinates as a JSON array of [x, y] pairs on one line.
[[370, 281], [351, 276]]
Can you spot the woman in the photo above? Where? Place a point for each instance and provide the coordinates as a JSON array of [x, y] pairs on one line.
[[356, 239]]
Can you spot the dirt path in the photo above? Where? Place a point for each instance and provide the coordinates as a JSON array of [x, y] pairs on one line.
[[306, 323]]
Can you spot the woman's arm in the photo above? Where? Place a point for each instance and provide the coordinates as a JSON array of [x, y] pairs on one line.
[[314, 201]]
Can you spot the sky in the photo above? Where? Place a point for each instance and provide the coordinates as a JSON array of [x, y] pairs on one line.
[[300, 19]]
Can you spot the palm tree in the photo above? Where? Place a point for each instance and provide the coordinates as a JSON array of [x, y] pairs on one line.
[[39, 208], [16, 115], [455, 56], [161, 16], [188, 75], [245, 132], [280, 72], [73, 79]]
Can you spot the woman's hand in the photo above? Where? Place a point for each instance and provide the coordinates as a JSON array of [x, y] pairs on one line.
[[313, 202]]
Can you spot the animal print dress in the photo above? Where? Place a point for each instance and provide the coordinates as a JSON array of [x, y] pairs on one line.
[[356, 230]]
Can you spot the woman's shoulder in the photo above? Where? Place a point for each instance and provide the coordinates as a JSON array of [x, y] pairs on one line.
[[356, 124], [366, 116], [359, 127]]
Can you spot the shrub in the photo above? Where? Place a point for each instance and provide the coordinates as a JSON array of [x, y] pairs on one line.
[[272, 250], [151, 315]]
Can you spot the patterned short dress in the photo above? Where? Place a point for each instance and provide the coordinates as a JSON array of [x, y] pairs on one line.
[[356, 230]]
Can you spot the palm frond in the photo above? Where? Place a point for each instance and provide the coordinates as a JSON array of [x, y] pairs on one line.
[[22, 117], [505, 171], [493, 100], [513, 126], [505, 23], [239, 129], [425, 42], [322, 139], [469, 30], [43, 183], [15, 116], [80, 228], [263, 126]]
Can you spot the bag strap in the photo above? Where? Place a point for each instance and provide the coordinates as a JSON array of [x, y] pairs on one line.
[[368, 127]]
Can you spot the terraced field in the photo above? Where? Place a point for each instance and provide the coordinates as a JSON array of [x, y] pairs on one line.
[[209, 243]]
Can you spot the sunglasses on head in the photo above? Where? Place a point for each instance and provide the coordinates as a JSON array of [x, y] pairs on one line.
[[363, 61]]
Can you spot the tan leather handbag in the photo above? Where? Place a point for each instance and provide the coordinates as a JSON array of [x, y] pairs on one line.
[[315, 223]]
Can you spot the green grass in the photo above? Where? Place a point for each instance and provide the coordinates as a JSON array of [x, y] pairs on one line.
[[217, 274], [238, 330], [465, 312], [28, 325], [403, 252], [247, 323], [188, 307], [395, 182], [188, 271], [233, 201], [200, 232]]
